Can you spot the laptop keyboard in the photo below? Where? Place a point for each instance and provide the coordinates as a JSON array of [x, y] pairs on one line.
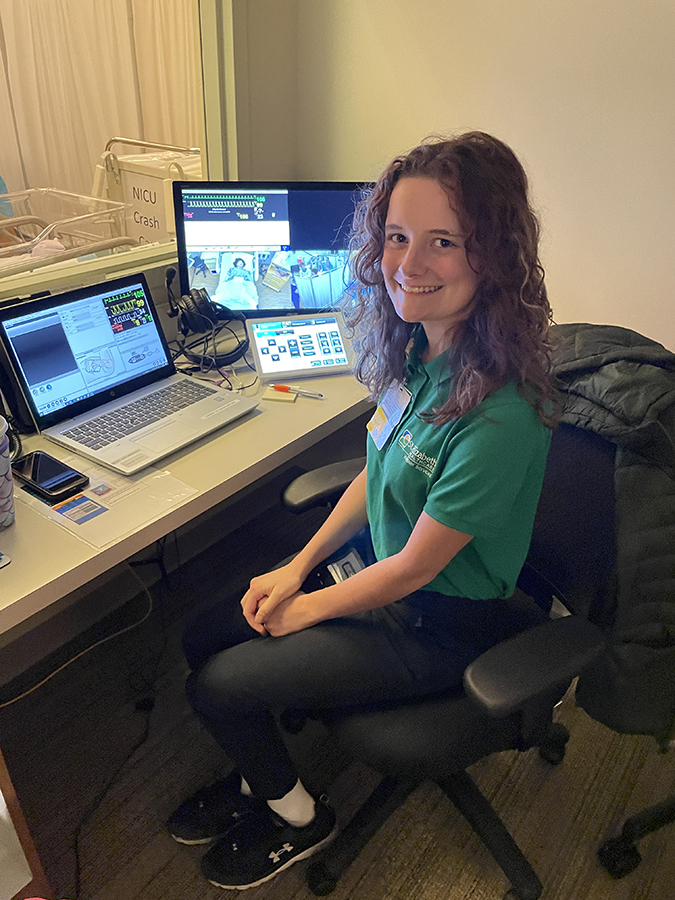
[[124, 421]]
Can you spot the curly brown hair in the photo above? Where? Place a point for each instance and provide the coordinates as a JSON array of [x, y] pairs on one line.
[[506, 335]]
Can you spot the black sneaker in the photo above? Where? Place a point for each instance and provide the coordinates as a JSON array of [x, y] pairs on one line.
[[211, 812], [262, 845]]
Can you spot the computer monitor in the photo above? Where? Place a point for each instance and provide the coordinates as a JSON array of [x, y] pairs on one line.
[[261, 247]]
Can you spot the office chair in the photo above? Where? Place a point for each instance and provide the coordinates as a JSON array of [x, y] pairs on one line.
[[511, 690]]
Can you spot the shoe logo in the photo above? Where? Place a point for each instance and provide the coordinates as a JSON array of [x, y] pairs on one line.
[[275, 855]]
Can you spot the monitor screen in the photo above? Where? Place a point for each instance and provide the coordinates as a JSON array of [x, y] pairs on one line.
[[258, 247]]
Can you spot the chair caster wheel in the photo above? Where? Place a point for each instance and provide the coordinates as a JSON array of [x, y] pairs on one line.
[[619, 857], [553, 746], [513, 894], [319, 880], [552, 755]]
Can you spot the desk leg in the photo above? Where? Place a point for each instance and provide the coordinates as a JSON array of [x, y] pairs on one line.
[[38, 886]]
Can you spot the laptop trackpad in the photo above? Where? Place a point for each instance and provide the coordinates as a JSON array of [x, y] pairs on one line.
[[173, 434]]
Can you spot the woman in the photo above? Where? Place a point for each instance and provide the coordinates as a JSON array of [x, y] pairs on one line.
[[237, 287], [454, 320], [238, 270]]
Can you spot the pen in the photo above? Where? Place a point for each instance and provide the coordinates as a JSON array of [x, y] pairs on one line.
[[287, 389]]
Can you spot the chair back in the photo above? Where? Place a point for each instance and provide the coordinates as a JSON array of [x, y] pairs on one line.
[[573, 550]]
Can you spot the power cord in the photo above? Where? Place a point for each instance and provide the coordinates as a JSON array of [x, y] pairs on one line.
[[202, 352], [204, 363], [87, 649], [157, 559], [15, 446], [145, 705]]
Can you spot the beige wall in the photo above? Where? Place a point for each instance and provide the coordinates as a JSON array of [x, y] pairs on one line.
[[583, 90]]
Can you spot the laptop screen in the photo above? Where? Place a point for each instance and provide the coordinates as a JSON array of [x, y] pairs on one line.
[[75, 351], [265, 246]]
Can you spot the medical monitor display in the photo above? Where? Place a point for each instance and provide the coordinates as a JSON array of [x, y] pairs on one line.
[[258, 247]]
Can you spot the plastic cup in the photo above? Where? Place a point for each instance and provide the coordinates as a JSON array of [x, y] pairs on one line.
[[6, 485]]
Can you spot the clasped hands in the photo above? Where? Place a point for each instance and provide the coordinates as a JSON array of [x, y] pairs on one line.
[[274, 603]]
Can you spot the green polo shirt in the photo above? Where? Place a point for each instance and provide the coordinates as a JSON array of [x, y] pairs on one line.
[[480, 475]]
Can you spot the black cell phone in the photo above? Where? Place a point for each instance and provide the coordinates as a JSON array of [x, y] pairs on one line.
[[47, 477]]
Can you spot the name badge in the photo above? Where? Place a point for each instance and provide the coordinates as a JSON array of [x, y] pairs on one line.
[[388, 414]]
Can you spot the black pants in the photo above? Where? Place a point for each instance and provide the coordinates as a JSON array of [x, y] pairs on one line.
[[240, 680]]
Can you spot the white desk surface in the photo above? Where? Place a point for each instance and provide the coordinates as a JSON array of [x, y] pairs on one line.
[[48, 561]]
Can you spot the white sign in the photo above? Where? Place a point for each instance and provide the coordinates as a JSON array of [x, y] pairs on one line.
[[146, 219]]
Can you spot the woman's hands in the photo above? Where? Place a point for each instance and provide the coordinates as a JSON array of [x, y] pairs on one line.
[[267, 591], [293, 614], [276, 605], [282, 586]]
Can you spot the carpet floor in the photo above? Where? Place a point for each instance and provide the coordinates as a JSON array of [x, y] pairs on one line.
[[69, 748]]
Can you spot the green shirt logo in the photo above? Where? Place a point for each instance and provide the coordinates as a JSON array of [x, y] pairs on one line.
[[414, 456]]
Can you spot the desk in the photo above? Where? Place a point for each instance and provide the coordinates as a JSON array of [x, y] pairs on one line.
[[48, 562]]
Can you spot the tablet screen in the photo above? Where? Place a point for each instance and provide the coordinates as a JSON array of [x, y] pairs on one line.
[[297, 346]]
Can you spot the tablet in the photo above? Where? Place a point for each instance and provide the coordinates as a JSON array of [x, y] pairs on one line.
[[296, 346]]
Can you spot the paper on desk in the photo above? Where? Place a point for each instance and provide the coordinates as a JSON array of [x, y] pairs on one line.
[[113, 505]]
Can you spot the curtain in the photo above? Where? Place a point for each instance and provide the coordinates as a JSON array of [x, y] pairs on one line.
[[75, 73]]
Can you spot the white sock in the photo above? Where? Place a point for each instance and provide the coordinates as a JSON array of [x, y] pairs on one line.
[[245, 789], [297, 807]]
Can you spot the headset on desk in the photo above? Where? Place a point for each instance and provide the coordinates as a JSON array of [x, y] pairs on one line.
[[197, 313]]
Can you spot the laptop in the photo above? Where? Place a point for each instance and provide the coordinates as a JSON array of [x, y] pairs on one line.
[[98, 378], [296, 346]]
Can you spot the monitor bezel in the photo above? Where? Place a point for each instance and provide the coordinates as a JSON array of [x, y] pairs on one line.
[[356, 188]]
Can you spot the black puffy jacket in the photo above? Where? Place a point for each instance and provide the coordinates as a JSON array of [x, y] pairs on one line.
[[621, 385]]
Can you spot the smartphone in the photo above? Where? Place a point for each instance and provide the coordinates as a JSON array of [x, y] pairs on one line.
[[47, 477]]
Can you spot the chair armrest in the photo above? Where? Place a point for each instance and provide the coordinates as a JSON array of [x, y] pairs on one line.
[[533, 664], [321, 486]]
